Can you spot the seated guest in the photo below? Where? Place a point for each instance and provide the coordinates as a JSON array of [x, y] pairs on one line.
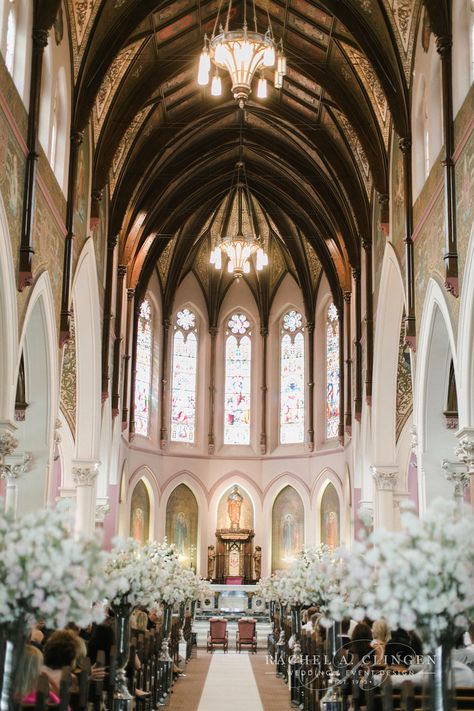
[[101, 640], [139, 621], [463, 654], [61, 650], [399, 654], [36, 637], [360, 645], [381, 635], [28, 675]]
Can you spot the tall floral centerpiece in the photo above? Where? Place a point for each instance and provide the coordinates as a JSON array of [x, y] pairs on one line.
[[45, 573], [132, 573], [419, 578]]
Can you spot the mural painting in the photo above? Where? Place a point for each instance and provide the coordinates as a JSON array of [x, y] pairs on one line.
[[330, 517], [287, 528], [140, 513], [182, 523], [230, 515]]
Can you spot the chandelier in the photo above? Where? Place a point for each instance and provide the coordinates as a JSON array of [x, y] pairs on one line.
[[242, 53], [238, 238]]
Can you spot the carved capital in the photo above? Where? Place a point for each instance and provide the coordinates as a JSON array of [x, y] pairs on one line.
[[347, 296], [213, 331], [130, 294], [122, 270], [457, 475], [18, 465], [76, 138], [444, 44], [264, 331], [383, 199], [112, 242], [385, 478], [40, 38], [85, 473], [356, 273], [405, 145], [464, 451], [101, 511], [366, 243], [8, 443]]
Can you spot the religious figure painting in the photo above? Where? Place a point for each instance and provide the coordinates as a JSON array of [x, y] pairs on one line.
[[330, 517], [140, 513], [182, 523], [287, 528], [235, 510]]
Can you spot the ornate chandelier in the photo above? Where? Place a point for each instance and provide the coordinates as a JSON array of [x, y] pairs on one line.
[[242, 53], [238, 239]]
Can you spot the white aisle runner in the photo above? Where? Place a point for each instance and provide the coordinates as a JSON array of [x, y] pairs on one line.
[[230, 684]]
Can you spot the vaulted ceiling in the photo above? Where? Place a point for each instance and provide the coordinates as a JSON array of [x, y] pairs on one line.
[[314, 151]]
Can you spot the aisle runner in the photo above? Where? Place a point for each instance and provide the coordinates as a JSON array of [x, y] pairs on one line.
[[230, 685]]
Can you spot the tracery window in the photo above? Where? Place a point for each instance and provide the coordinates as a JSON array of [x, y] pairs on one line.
[[332, 372], [292, 379], [183, 397], [238, 363], [143, 369]]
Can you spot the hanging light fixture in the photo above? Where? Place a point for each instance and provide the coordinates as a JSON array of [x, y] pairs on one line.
[[242, 53], [238, 238]]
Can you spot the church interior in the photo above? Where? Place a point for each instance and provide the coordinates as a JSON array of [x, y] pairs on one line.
[[236, 293]]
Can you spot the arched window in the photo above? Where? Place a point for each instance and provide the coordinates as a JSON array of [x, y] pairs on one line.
[[292, 379], [11, 35], [143, 369], [238, 360], [183, 399], [332, 373]]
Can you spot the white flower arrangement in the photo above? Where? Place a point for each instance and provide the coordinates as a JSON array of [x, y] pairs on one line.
[[133, 574], [46, 573], [419, 578]]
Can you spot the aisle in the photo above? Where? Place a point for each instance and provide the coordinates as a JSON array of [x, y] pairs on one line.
[[234, 682], [230, 684]]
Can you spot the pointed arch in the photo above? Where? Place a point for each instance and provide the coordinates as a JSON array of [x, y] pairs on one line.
[[85, 295], [288, 524], [8, 321], [437, 347], [465, 371], [38, 344], [386, 346], [182, 523]]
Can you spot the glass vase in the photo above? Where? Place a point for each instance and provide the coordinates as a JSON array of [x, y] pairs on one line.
[[12, 644], [122, 697], [441, 687], [296, 620], [167, 616]]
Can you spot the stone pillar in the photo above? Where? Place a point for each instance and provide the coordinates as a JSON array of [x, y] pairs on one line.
[[102, 508], [456, 474], [385, 480], [11, 470], [84, 474]]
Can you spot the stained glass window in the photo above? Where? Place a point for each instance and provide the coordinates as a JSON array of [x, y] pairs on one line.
[[143, 370], [183, 395], [332, 373], [238, 355], [292, 379]]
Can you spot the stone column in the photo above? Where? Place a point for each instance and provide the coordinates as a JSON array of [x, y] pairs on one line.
[[84, 474], [102, 508], [385, 480], [456, 474], [12, 468]]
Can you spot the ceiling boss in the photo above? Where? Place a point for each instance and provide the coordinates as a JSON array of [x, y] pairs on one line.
[[243, 53]]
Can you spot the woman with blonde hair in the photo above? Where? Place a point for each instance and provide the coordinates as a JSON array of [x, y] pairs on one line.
[[381, 635], [28, 675]]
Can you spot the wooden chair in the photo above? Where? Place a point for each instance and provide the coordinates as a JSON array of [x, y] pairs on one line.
[[246, 634], [218, 634]]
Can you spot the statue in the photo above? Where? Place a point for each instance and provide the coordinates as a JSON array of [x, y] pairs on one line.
[[257, 562], [234, 503], [211, 562], [181, 532]]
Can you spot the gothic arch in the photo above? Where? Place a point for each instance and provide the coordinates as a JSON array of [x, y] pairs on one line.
[[386, 343], [38, 344], [437, 346], [8, 321], [88, 345], [465, 371]]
